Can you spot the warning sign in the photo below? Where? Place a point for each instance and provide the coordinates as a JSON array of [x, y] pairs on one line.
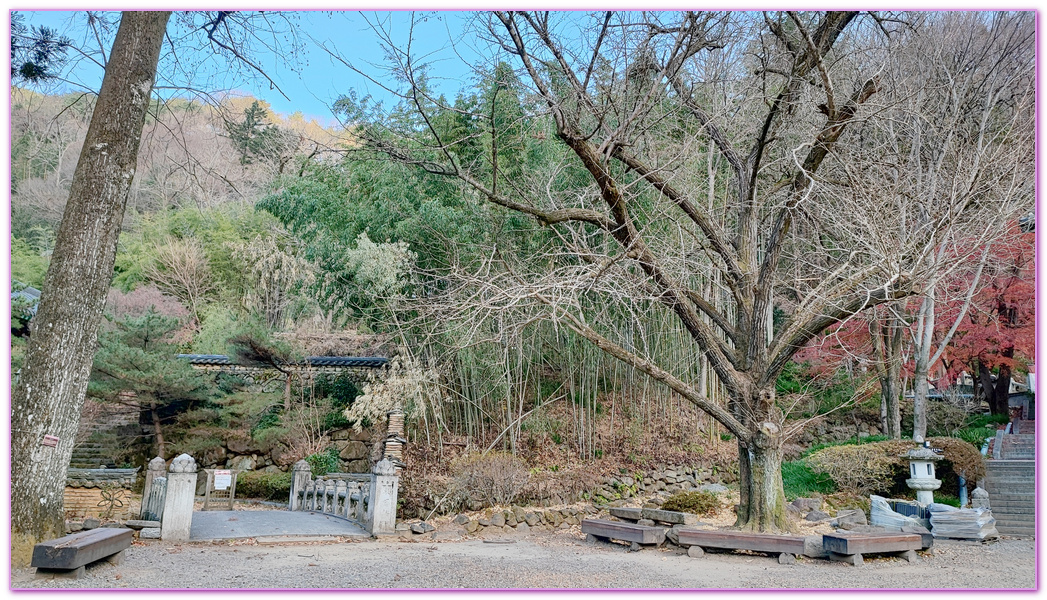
[[223, 479]]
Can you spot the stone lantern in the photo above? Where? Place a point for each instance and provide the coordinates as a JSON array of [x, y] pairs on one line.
[[921, 471]]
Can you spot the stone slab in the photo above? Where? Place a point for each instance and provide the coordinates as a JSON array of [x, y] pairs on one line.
[[671, 517], [149, 533], [77, 573], [623, 512]]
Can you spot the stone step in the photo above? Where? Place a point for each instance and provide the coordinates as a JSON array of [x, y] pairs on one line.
[[1018, 448], [1017, 531], [1009, 479], [1013, 516], [1022, 502], [1008, 511], [1010, 465], [1001, 481], [1012, 497], [1016, 519], [1005, 527]]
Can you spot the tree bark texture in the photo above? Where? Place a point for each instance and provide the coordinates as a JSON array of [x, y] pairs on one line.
[[49, 395], [997, 393], [887, 339], [762, 493], [158, 433]]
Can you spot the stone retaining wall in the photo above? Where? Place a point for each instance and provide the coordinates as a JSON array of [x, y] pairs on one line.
[[80, 503], [354, 450], [104, 493], [673, 478]]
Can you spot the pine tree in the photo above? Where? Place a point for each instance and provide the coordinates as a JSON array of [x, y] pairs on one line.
[[136, 365]]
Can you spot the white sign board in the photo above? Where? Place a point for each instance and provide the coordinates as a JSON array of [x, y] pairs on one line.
[[223, 479]]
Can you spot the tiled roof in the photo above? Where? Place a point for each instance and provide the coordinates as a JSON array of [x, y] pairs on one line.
[[96, 478], [206, 359], [372, 362]]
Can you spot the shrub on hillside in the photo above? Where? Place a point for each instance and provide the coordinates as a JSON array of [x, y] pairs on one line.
[[961, 458], [699, 503], [859, 469], [489, 479], [879, 467], [266, 486]]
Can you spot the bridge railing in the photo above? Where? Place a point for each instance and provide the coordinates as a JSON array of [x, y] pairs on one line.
[[343, 495], [367, 498]]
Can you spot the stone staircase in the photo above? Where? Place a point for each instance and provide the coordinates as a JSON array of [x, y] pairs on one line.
[[91, 455], [1012, 495], [1018, 446]]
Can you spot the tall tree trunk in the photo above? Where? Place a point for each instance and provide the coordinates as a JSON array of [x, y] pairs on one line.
[[887, 344], [1002, 393], [924, 339], [996, 394], [50, 391], [158, 434], [762, 494]]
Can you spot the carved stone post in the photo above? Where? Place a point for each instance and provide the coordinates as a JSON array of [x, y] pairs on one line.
[[151, 510], [178, 505], [153, 503], [382, 501], [300, 481]]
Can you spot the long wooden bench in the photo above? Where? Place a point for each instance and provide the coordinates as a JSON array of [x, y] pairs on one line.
[[637, 535], [786, 547], [849, 547], [68, 556]]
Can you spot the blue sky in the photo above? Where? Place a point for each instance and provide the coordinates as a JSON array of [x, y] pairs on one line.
[[316, 80]]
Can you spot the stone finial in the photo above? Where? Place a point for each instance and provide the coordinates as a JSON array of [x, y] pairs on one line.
[[157, 464], [384, 467], [183, 464], [301, 466], [979, 498]]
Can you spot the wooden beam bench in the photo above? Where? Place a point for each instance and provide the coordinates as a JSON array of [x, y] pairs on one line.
[[786, 547], [636, 535], [68, 556], [849, 547]]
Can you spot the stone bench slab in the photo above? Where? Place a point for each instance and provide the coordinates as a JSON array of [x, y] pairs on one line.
[[736, 540], [671, 517]]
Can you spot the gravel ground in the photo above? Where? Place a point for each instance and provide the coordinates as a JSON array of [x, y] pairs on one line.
[[541, 559]]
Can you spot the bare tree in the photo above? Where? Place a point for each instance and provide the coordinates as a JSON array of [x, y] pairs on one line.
[[48, 397], [797, 223], [180, 268]]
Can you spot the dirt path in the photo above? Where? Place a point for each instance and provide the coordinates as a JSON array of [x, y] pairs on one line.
[[540, 560]]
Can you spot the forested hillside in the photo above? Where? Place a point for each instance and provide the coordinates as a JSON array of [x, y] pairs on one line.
[[588, 266]]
